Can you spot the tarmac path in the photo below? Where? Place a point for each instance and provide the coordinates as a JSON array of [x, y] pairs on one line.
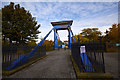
[[111, 64], [56, 65]]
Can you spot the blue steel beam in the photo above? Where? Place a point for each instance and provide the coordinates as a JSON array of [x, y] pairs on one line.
[[60, 26], [23, 58], [35, 49], [58, 37], [73, 37], [55, 39], [70, 41]]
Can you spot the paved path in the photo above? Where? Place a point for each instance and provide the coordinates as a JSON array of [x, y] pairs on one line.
[[111, 64], [56, 65]]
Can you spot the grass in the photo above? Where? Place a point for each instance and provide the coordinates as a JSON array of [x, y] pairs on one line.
[[8, 73], [89, 75]]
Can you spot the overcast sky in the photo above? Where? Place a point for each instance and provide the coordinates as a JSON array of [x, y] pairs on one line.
[[84, 15]]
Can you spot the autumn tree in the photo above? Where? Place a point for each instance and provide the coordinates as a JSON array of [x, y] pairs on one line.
[[81, 38], [119, 33], [113, 34], [91, 33], [18, 25], [49, 44], [59, 42]]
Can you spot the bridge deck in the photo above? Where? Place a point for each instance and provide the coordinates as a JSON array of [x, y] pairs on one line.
[[56, 65]]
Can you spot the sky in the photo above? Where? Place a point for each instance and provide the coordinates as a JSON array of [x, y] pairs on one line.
[[99, 15]]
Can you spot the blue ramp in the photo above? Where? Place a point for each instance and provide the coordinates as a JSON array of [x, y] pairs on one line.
[[86, 63], [23, 58]]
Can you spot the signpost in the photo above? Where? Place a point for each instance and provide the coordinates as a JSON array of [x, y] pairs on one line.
[[82, 49]]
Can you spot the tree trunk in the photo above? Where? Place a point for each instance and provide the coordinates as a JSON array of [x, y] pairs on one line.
[[10, 42]]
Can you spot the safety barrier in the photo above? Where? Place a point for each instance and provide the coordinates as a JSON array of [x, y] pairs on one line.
[[11, 53], [92, 60]]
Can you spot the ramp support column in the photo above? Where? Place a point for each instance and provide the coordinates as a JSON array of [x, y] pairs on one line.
[[69, 38], [55, 39]]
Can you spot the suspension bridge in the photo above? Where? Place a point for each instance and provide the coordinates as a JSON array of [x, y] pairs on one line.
[[58, 63]]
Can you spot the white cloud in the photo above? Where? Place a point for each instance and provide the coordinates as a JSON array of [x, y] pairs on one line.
[[104, 28], [57, 11], [78, 30], [98, 21], [83, 14]]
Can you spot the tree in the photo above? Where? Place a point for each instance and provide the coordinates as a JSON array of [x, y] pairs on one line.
[[81, 38], [32, 43], [18, 25], [113, 34], [59, 42], [91, 33], [119, 33], [49, 44]]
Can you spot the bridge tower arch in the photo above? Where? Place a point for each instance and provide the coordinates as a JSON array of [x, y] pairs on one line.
[[63, 25]]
